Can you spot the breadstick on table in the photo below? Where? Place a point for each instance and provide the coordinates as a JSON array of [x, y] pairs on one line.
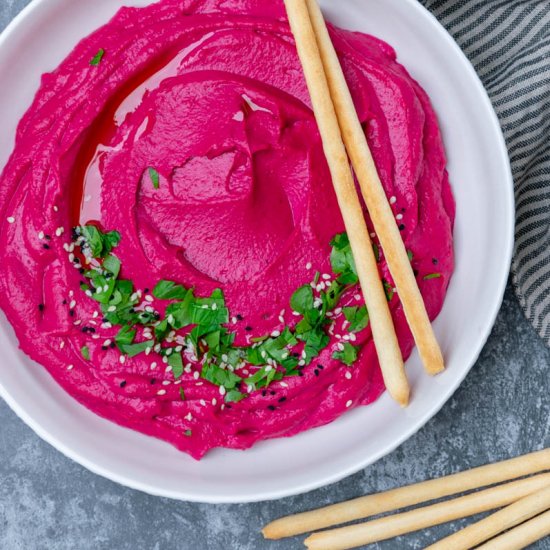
[[375, 198], [410, 495], [422, 518], [473, 535], [383, 330], [522, 536]]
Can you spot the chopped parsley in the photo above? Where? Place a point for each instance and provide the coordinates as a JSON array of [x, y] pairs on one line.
[[358, 318], [432, 276], [98, 57], [348, 355], [85, 352], [205, 320], [155, 178]]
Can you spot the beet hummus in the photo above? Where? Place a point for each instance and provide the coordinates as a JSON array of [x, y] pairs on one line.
[[172, 249]]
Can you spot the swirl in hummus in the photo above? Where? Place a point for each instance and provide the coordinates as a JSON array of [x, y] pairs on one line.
[[179, 140]]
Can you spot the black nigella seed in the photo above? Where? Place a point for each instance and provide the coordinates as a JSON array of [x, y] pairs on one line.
[[402, 227], [48, 237], [41, 307], [123, 383], [295, 354], [435, 261], [64, 302], [112, 345], [272, 392], [82, 271], [228, 407], [316, 372], [300, 373], [271, 407], [264, 393], [153, 381], [239, 317], [320, 367], [46, 246], [249, 328], [415, 271], [282, 400], [71, 312], [146, 290], [104, 348]]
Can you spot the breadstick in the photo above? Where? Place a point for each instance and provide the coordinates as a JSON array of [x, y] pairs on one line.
[[376, 200], [512, 515], [421, 518], [383, 330], [521, 536], [410, 495]]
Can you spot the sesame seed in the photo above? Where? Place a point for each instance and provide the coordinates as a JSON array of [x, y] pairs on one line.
[[168, 369], [153, 366], [352, 337], [72, 304], [76, 323], [149, 309], [399, 217], [111, 309], [59, 231], [393, 200], [301, 363], [165, 359], [284, 385], [276, 333], [340, 346], [348, 375], [62, 344], [214, 401], [166, 382], [55, 209], [345, 337], [309, 266], [70, 367], [281, 319], [357, 296], [296, 314], [95, 315], [214, 307], [326, 276], [149, 298], [122, 359], [11, 219], [268, 368], [337, 311], [349, 404], [196, 375], [188, 417], [202, 402], [223, 391], [161, 392], [234, 320], [250, 388]]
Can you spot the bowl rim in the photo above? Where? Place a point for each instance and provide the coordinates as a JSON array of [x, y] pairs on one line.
[[500, 284]]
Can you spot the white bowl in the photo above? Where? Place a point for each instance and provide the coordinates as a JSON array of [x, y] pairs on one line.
[[45, 33]]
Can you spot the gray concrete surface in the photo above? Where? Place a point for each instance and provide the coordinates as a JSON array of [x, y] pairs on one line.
[[49, 502]]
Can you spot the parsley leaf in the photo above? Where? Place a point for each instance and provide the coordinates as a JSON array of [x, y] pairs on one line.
[[432, 276], [348, 355], [342, 260], [155, 178], [168, 290], [96, 60], [302, 300], [176, 362], [84, 350], [358, 318]]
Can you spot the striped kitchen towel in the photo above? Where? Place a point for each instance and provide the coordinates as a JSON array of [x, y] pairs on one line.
[[508, 42]]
